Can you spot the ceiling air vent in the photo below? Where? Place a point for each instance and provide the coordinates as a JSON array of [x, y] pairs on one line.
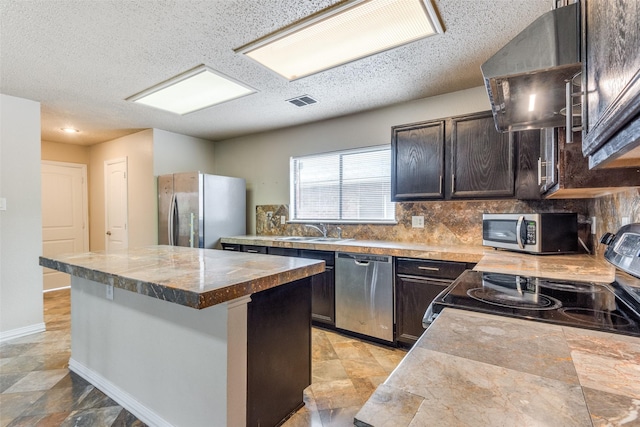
[[302, 101]]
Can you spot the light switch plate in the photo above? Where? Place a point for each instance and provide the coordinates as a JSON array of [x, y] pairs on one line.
[[593, 225], [625, 220], [283, 219], [3, 204], [110, 292], [417, 221]]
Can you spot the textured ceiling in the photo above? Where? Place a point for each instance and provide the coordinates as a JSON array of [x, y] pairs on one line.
[[81, 58]]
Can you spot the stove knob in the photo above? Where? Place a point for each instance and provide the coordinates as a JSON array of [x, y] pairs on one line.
[[607, 238]]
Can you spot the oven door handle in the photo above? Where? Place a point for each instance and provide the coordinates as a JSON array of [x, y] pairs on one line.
[[519, 232]]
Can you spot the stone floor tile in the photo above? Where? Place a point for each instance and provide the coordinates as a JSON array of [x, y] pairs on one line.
[[7, 380], [127, 419], [101, 417], [38, 380], [58, 400], [14, 404], [340, 417]]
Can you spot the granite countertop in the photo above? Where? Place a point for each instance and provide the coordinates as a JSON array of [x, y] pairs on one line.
[[562, 267], [474, 369], [196, 278]]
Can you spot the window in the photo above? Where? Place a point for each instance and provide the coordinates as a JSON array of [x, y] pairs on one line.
[[343, 186]]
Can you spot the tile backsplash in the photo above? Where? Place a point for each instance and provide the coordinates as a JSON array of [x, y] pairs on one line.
[[450, 222], [610, 210]]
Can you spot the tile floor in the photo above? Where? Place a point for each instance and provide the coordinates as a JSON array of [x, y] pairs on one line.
[[38, 390]]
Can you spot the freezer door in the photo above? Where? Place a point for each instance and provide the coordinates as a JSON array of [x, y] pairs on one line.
[[188, 199], [165, 199], [364, 294], [225, 201]]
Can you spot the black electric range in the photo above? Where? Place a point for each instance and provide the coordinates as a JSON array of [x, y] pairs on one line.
[[612, 307]]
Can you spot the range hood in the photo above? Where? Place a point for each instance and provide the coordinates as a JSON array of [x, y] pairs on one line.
[[526, 79]]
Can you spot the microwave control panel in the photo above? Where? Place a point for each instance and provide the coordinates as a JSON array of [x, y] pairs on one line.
[[531, 233]]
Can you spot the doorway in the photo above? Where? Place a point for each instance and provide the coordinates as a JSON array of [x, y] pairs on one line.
[[65, 215]]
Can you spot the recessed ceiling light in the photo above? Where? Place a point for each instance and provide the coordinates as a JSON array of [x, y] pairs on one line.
[[69, 130], [342, 34], [191, 91]]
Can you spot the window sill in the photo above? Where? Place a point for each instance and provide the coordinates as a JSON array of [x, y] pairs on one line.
[[345, 222]]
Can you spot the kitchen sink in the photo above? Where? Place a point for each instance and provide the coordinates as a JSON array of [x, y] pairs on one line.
[[295, 238], [330, 239], [311, 239]]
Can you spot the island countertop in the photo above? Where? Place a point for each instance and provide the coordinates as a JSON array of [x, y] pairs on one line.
[[192, 277], [475, 369]]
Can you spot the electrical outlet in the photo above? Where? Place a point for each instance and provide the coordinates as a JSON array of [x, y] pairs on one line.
[[3, 204], [269, 215], [625, 220], [110, 292], [417, 221], [593, 225], [283, 219]]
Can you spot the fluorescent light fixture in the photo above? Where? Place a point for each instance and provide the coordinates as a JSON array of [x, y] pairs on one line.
[[532, 102], [191, 91], [341, 34], [69, 130]]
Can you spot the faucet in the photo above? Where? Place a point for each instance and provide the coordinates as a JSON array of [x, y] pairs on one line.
[[322, 228]]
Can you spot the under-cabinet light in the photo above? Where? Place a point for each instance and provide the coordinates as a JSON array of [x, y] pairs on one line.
[[532, 102], [69, 130], [341, 34], [191, 91]]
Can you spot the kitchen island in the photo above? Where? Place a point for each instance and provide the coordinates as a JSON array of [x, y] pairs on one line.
[[182, 336]]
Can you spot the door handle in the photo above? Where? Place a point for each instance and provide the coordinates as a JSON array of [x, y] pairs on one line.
[[108, 233]]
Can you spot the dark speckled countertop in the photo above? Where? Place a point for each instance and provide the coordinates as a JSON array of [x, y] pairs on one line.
[[196, 278]]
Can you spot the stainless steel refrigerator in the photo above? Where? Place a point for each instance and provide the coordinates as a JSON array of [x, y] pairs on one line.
[[196, 209]]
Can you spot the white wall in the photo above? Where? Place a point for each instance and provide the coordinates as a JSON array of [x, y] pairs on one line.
[[138, 149], [21, 223], [263, 159], [173, 152]]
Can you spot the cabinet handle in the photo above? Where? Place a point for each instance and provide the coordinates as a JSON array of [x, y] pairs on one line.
[[569, 110], [440, 189], [453, 183], [429, 268], [252, 251]]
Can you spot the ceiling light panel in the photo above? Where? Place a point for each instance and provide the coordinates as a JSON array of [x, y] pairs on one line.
[[343, 34], [191, 91]]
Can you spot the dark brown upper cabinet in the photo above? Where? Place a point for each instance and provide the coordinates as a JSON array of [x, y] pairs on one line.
[[482, 159], [562, 171], [417, 161], [611, 82], [456, 157]]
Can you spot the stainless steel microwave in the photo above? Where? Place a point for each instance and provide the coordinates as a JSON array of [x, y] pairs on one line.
[[539, 233]]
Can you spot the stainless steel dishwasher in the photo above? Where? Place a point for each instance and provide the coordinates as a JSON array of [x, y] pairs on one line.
[[364, 294]]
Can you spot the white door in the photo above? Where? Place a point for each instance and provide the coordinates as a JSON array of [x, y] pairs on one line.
[[65, 227], [116, 205]]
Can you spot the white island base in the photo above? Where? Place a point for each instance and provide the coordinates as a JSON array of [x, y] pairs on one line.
[[167, 364]]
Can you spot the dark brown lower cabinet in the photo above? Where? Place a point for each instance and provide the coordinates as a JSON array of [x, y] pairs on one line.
[[418, 282], [323, 305], [278, 352]]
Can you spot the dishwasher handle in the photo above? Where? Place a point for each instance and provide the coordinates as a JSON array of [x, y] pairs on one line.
[[364, 259], [361, 263]]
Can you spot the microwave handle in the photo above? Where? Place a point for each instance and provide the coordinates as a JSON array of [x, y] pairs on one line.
[[519, 231]]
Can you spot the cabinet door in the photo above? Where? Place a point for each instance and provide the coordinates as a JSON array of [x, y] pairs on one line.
[[417, 161], [611, 74], [323, 306], [413, 296], [482, 159]]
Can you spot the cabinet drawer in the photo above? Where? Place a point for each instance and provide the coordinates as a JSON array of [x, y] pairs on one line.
[[328, 257], [429, 268], [254, 249], [231, 247]]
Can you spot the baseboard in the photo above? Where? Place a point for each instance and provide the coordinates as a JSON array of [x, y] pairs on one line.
[[56, 289], [21, 332], [123, 398]]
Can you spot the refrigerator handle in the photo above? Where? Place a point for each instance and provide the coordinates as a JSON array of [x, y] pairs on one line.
[[191, 231], [172, 208]]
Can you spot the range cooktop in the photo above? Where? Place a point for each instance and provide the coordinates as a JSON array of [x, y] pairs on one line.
[[589, 305], [612, 307]]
